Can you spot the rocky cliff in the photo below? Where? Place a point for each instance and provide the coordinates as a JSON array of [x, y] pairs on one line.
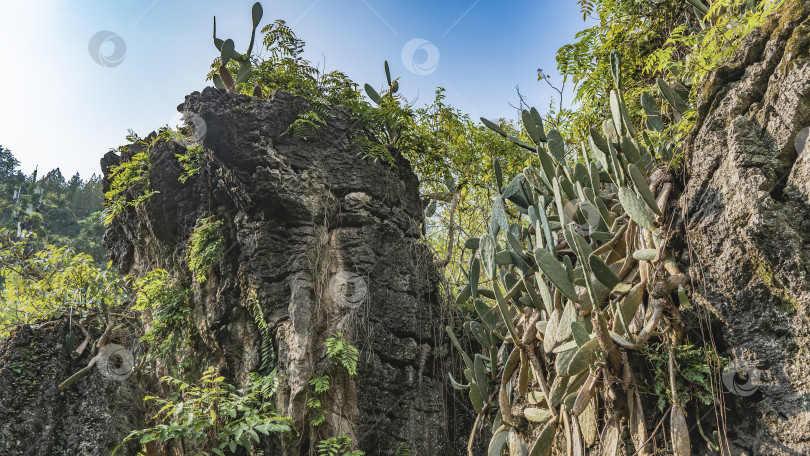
[[326, 242], [747, 212]]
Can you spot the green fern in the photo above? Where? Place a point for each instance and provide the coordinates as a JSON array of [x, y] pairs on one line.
[[205, 247], [268, 354], [191, 161], [338, 446], [319, 383], [340, 351]]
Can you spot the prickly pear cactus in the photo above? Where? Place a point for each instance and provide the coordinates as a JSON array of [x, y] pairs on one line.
[[573, 274]]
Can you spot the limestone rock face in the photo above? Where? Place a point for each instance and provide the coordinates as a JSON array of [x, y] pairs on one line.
[[326, 242], [747, 211], [89, 419]]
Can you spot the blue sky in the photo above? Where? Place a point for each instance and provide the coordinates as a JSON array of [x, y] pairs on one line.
[[60, 108]]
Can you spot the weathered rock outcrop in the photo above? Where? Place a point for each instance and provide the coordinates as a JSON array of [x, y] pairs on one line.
[[327, 242], [747, 212], [36, 418]]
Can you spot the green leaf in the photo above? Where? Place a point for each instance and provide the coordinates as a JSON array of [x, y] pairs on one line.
[[536, 415], [569, 316], [245, 70], [533, 125], [602, 272], [635, 208], [464, 295], [628, 308], [645, 254], [643, 188], [616, 68], [616, 112], [494, 127], [431, 209], [227, 51], [545, 441], [256, 14], [651, 111], [673, 98], [555, 272], [498, 174], [581, 335], [584, 357], [218, 81], [476, 398], [556, 146], [480, 373], [497, 443], [375, 97], [487, 314], [488, 256], [475, 272], [499, 213], [456, 385]]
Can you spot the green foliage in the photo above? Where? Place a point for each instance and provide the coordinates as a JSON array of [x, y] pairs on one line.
[[205, 247], [337, 446], [129, 180], [306, 124], [279, 65], [41, 284], [168, 335], [267, 351], [224, 78], [212, 416], [561, 277], [191, 161], [320, 385], [341, 352], [60, 212], [696, 366], [670, 40]]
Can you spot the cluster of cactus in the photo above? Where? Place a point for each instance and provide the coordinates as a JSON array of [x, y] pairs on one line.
[[225, 80], [562, 299], [393, 87]]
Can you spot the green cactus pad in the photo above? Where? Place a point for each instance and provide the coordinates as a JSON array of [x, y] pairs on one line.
[[636, 209], [555, 272]]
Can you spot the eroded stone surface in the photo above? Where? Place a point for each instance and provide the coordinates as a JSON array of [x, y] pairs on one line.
[[90, 418], [297, 214], [747, 209]]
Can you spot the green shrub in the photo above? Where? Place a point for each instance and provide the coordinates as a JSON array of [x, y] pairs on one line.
[[212, 416]]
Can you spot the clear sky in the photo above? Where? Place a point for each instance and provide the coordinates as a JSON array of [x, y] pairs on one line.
[[60, 107]]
